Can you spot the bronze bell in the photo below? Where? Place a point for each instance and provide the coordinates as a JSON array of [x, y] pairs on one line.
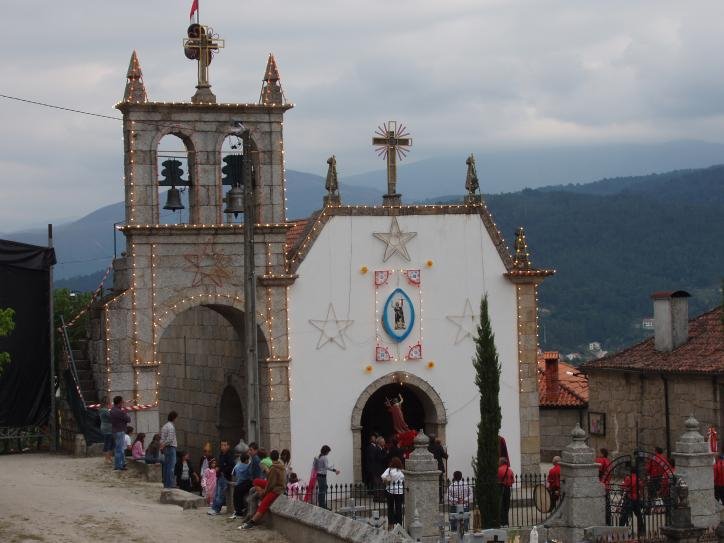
[[173, 199], [235, 200]]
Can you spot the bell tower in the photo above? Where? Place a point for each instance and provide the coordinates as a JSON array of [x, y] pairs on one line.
[[227, 258]]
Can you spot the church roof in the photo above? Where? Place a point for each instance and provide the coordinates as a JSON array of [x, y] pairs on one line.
[[297, 251], [703, 352], [571, 389]]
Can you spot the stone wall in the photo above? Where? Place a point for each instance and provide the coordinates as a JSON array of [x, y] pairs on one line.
[[201, 353], [555, 429], [631, 398]]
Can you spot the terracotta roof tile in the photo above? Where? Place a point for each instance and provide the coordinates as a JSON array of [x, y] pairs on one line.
[[295, 232], [571, 389], [703, 353]]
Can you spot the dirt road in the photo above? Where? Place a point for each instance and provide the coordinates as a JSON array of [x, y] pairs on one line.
[[58, 499]]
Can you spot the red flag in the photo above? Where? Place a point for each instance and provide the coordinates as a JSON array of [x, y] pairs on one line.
[[194, 9]]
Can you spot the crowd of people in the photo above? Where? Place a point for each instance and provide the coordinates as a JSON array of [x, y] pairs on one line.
[[258, 476]]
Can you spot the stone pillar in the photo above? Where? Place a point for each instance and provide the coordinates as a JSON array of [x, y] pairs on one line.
[[421, 489], [582, 493], [694, 464], [528, 373]]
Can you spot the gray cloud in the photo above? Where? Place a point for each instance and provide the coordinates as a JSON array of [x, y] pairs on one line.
[[463, 74]]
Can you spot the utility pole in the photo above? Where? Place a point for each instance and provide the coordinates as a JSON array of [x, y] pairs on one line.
[[52, 419], [252, 362]]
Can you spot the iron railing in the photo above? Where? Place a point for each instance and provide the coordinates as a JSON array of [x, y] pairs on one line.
[[531, 501], [374, 504]]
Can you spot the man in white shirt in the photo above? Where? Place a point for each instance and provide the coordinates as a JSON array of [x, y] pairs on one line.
[[459, 493], [168, 447]]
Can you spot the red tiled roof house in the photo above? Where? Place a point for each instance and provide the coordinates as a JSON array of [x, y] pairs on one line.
[[563, 402], [645, 392]]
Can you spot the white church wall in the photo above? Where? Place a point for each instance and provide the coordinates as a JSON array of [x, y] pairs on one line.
[[327, 382]]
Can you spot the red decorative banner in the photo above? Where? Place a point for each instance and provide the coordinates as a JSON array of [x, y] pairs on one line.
[[382, 354], [413, 277], [415, 352], [381, 277]]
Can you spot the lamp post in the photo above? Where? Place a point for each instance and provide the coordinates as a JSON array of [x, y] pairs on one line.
[[239, 173]]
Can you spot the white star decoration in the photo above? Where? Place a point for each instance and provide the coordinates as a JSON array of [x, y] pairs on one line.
[[331, 329], [467, 322], [395, 240]]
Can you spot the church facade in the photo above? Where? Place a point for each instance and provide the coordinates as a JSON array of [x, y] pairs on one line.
[[352, 307]]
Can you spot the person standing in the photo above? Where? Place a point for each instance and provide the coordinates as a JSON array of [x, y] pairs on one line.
[[438, 451], [719, 478], [322, 466], [459, 493], [632, 490], [119, 421], [371, 461], [226, 466], [168, 447], [554, 481], [505, 480], [395, 491], [104, 413], [605, 477]]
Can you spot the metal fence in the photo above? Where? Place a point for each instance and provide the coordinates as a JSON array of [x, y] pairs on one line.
[[530, 501], [379, 505]]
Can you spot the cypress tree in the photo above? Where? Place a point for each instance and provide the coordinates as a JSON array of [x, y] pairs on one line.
[[487, 378]]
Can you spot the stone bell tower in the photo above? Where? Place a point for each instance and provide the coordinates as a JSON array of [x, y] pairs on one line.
[[178, 331]]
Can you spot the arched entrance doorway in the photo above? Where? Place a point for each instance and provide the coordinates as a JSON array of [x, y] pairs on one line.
[[203, 375], [422, 407], [231, 416]]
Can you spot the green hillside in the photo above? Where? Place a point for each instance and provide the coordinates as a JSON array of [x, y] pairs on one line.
[[614, 246]]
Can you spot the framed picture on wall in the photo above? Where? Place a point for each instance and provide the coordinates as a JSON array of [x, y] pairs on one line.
[[596, 423]]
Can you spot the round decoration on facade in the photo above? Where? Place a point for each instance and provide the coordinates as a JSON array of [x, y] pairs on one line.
[[431, 364], [363, 270], [429, 263], [368, 368], [398, 315]]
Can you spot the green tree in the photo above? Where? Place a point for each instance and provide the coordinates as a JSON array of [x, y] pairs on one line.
[[487, 379], [7, 325]]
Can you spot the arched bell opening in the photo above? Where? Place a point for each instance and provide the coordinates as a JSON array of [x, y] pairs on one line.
[[233, 173], [174, 167]]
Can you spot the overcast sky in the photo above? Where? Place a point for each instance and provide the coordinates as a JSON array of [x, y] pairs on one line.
[[463, 75]]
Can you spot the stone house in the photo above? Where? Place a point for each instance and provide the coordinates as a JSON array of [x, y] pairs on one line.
[[563, 402], [644, 393]]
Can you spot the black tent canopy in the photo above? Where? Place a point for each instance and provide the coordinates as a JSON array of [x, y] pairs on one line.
[[25, 276]]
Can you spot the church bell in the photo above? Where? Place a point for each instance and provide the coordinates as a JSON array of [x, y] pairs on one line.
[[173, 199], [235, 200]]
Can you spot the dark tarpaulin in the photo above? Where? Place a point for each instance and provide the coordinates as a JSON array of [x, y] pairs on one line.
[[24, 287], [88, 421]]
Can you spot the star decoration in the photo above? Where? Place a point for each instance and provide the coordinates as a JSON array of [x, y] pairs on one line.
[[209, 266], [331, 329], [467, 322], [396, 241]]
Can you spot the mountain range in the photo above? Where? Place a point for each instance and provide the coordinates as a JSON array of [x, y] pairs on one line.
[[612, 242]]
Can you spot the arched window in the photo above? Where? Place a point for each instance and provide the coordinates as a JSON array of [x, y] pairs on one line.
[[232, 178], [174, 180]]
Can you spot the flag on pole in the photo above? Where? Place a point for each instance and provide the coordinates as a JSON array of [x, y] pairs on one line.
[[194, 9]]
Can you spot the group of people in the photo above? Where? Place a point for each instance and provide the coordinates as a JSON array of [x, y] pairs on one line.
[[258, 476]]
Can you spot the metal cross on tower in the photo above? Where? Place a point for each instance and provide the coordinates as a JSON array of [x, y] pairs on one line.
[[201, 45], [392, 142]]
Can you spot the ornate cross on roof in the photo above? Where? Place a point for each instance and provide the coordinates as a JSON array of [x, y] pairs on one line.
[[201, 45], [392, 142]]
